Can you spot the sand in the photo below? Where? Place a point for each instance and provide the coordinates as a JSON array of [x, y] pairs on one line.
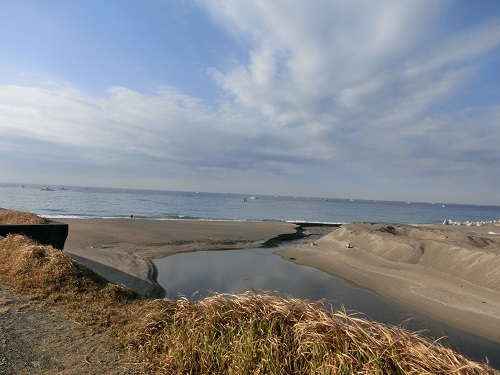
[[121, 250], [451, 273]]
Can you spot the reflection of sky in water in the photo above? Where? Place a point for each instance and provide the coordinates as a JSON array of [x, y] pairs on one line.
[[237, 271], [258, 269]]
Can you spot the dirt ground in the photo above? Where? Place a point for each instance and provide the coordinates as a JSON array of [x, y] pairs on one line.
[[42, 340]]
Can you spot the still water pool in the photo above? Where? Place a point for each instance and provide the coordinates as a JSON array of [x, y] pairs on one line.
[[237, 271]]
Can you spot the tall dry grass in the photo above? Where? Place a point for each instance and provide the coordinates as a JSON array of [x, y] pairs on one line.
[[225, 334], [20, 217], [51, 276], [265, 334]]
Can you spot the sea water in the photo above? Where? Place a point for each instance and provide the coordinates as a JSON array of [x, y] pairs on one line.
[[89, 202]]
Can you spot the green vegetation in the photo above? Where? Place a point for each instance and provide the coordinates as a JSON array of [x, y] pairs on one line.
[[224, 334]]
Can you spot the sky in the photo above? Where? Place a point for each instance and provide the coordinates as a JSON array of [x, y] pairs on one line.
[[388, 99]]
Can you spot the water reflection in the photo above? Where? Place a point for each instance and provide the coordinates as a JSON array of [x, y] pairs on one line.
[[237, 271]]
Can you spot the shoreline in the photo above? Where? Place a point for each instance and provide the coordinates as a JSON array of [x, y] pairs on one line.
[[450, 274], [122, 251]]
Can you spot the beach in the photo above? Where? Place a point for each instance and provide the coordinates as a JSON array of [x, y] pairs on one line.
[[451, 273], [122, 249], [448, 272]]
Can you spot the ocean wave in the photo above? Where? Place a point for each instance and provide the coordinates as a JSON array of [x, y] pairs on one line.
[[159, 218]]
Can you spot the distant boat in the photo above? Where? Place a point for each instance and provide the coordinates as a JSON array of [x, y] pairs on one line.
[[21, 187], [253, 197], [63, 188], [46, 189]]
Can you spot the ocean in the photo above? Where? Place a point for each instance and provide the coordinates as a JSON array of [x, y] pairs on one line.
[[91, 202]]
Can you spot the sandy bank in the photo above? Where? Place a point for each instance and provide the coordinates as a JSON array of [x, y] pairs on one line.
[[121, 249], [450, 273]]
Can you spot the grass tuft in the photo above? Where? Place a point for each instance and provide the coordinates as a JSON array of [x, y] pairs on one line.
[[20, 217], [225, 334], [266, 334], [51, 276]]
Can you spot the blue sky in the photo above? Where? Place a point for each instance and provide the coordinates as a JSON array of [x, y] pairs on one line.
[[392, 99]]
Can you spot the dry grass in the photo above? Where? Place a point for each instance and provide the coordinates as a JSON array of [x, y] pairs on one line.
[[226, 334], [20, 217], [265, 334], [50, 276]]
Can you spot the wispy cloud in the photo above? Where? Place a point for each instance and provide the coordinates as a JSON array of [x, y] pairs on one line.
[[317, 88], [126, 125], [374, 76]]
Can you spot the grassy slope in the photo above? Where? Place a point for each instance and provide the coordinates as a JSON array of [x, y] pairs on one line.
[[19, 217], [236, 334]]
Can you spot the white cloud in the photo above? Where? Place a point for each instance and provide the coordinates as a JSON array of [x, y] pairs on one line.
[[308, 58], [324, 86], [467, 45], [362, 73], [126, 125]]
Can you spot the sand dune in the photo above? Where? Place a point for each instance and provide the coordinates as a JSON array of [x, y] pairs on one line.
[[451, 273], [471, 256]]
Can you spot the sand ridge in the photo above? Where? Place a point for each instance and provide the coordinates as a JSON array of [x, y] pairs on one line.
[[450, 273]]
